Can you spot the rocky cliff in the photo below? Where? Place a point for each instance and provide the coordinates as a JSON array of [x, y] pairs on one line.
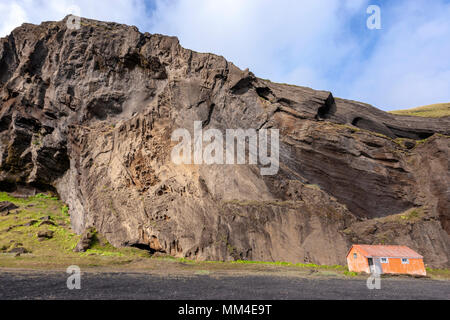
[[89, 113]]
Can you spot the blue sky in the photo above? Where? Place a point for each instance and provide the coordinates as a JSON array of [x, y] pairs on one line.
[[323, 44]]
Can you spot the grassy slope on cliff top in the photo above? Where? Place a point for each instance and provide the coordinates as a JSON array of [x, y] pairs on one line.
[[430, 111]]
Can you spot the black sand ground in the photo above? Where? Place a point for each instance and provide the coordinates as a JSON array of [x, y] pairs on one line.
[[52, 285]]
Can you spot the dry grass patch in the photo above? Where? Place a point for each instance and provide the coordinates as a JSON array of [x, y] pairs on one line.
[[437, 110]]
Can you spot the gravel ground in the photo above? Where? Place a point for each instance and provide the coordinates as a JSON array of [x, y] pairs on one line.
[[141, 286]]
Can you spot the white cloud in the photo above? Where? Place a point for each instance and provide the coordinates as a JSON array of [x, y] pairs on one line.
[[12, 16], [287, 41], [35, 11], [410, 66], [322, 44]]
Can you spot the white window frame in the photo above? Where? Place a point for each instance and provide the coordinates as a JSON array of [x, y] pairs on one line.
[[384, 260], [406, 261], [355, 255]]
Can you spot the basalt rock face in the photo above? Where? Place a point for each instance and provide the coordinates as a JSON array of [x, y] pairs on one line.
[[90, 113]]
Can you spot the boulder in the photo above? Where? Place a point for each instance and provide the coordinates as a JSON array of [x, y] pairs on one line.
[[30, 223], [6, 207], [18, 250], [45, 234], [47, 222], [85, 241]]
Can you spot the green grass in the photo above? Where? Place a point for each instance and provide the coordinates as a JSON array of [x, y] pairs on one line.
[[354, 129], [279, 267], [438, 273], [430, 111], [59, 249], [65, 211], [411, 215], [202, 272], [44, 196], [35, 208], [269, 263], [259, 203]]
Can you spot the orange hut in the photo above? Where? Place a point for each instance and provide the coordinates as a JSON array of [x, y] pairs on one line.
[[385, 259]]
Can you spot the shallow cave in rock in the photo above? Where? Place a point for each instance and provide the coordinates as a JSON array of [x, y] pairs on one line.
[[328, 109]]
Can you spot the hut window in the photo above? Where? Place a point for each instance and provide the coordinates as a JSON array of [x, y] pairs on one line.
[[405, 261], [384, 260], [355, 256]]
